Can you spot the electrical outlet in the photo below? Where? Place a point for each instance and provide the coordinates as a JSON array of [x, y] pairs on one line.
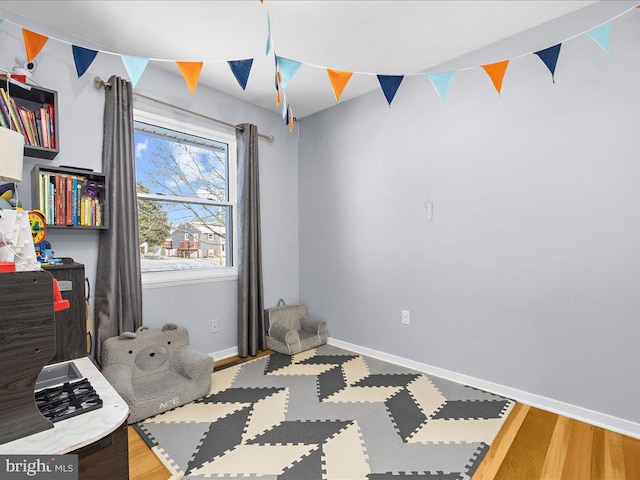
[[214, 325], [406, 317]]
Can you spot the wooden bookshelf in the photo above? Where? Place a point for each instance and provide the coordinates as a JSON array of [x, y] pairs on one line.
[[40, 134], [72, 198]]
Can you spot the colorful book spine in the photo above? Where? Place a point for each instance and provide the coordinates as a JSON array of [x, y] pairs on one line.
[[24, 117], [23, 128], [3, 120], [5, 109], [15, 124], [51, 204], [44, 127], [52, 132]]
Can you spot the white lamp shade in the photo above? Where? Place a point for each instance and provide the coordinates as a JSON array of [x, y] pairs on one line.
[[11, 155]]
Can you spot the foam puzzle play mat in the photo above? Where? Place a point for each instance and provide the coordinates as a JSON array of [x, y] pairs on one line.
[[327, 414]]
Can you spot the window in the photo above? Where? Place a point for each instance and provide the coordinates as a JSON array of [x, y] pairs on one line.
[[186, 181]]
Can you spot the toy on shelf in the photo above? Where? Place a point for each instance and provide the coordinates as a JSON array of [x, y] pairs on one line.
[[8, 197], [44, 253], [38, 226]]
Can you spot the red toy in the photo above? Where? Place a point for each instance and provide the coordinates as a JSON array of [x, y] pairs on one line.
[[58, 302]]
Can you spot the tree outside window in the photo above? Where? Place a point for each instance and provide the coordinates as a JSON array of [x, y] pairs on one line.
[[185, 198]]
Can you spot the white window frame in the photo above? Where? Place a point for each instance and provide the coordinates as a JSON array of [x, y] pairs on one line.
[[189, 277]]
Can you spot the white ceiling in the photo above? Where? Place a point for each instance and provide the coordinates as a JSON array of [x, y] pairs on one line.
[[371, 37]]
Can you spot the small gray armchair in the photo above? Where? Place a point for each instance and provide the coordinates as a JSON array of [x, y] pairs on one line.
[[155, 369], [290, 330]]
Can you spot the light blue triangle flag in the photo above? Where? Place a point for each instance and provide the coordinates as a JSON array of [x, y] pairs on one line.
[[600, 35], [390, 85], [284, 108], [241, 69], [1, 20], [135, 66], [287, 69], [83, 57], [268, 34], [441, 82]]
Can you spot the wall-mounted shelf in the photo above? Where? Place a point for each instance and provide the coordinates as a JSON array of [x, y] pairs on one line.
[[70, 198], [38, 121]]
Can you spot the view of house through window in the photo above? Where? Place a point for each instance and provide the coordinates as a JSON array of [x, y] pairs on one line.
[[186, 198]]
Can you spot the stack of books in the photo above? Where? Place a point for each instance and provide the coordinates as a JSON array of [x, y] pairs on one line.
[[37, 125], [71, 200]]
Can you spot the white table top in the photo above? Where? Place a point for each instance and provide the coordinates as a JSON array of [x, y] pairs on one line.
[[76, 432]]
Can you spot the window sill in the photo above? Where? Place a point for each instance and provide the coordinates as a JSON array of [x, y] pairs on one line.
[[187, 277]]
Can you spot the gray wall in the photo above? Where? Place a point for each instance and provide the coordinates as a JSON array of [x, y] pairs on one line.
[[528, 274], [80, 116]]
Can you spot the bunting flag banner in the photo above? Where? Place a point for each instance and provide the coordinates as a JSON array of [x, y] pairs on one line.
[[601, 35], [134, 66], [339, 80], [496, 72], [550, 57], [33, 43], [83, 57], [191, 73], [390, 85], [268, 34], [241, 69], [287, 69], [441, 82]]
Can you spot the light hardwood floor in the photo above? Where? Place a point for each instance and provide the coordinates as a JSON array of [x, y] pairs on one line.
[[532, 445]]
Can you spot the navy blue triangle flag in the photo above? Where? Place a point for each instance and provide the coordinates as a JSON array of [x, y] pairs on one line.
[[241, 69], [83, 57], [550, 57], [390, 84]]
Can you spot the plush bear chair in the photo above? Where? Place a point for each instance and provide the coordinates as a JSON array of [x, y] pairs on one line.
[[290, 331], [155, 369]]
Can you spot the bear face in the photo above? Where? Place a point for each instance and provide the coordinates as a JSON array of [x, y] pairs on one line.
[[148, 350], [151, 357]]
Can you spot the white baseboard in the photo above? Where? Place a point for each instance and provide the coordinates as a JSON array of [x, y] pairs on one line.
[[603, 420], [226, 353]]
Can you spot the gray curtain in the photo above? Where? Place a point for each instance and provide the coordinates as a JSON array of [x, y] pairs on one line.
[[118, 290], [250, 297]]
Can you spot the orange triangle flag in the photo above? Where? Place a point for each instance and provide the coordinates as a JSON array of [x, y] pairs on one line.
[[191, 73], [33, 43], [338, 81], [496, 73]]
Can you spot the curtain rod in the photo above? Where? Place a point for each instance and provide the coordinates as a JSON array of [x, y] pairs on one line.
[[100, 83]]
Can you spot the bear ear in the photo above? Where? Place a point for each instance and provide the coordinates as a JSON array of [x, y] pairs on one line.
[[127, 336], [169, 326]]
